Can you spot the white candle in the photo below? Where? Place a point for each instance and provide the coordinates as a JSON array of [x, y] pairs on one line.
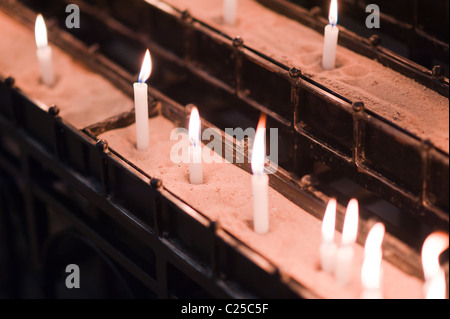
[[328, 246], [436, 287], [44, 52], [345, 253], [371, 269], [330, 38], [434, 245], [141, 104], [230, 11], [260, 181], [195, 148]]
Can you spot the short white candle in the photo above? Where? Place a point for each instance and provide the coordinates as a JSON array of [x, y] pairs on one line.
[[436, 287], [331, 38], [371, 271], [434, 245], [230, 11], [260, 181], [328, 246], [141, 104], [345, 253], [44, 51], [195, 148]]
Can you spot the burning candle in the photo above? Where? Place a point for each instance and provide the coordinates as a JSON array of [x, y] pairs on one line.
[[345, 253], [331, 38], [44, 51], [141, 103], [371, 269], [328, 247], [230, 11], [195, 148], [434, 245], [436, 286], [260, 180]]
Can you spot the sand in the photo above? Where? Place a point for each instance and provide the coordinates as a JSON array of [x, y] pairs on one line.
[[391, 95], [83, 97], [294, 237]]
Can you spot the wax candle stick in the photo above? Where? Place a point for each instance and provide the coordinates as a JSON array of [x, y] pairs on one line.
[[260, 181], [434, 245], [44, 51], [141, 103], [330, 38], [328, 246], [230, 11], [371, 269], [345, 253], [195, 148], [436, 287]]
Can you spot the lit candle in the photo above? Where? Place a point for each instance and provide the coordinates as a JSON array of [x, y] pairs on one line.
[[371, 269], [141, 103], [260, 180], [328, 247], [436, 287], [331, 38], [345, 253], [434, 245], [195, 148], [230, 11], [44, 51]]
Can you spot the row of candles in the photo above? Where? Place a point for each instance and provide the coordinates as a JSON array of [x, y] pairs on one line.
[[333, 259], [339, 260]]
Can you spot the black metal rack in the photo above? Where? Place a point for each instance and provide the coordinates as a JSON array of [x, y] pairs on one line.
[[153, 248]]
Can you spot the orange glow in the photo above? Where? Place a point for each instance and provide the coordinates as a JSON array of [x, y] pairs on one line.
[[259, 147], [350, 229], [146, 68], [333, 13], [329, 221], [40, 32]]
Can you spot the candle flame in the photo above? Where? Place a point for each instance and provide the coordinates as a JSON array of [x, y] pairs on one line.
[[329, 221], [259, 147], [373, 255], [350, 229], [40, 32], [146, 68], [333, 13], [374, 239], [194, 127], [434, 245]]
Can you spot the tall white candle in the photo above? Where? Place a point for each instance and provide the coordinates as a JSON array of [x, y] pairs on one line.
[[195, 148], [371, 271], [434, 245], [141, 103], [330, 38], [230, 11], [260, 181], [345, 253], [328, 246], [44, 51]]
